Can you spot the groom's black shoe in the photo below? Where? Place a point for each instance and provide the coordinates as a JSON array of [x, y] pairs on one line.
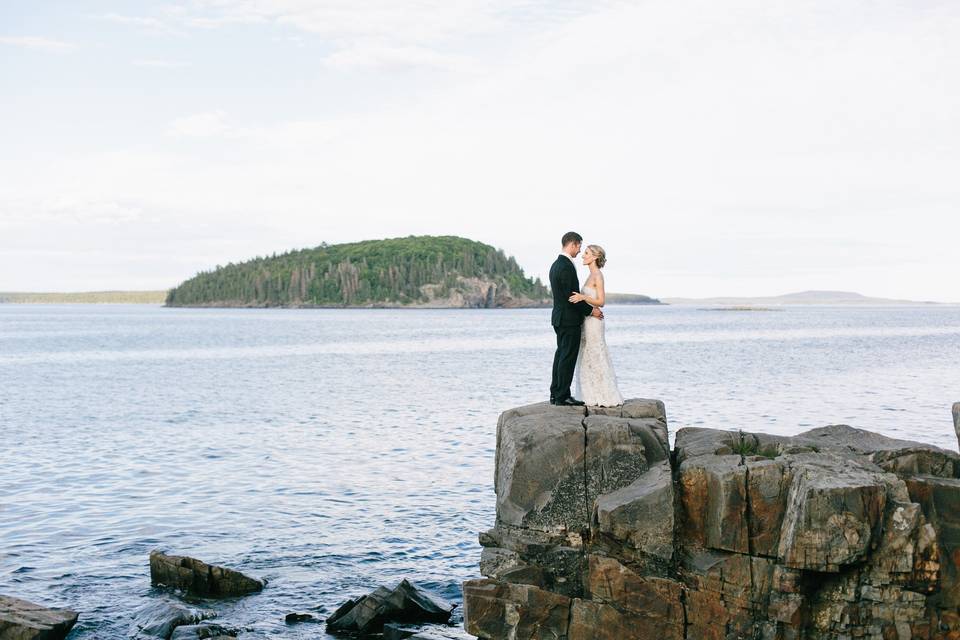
[[570, 402]]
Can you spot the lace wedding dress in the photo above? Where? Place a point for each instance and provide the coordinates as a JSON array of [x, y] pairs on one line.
[[596, 381]]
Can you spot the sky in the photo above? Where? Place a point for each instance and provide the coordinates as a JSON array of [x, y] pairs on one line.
[[741, 147]]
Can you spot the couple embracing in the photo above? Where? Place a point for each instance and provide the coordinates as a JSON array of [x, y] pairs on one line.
[[578, 322]]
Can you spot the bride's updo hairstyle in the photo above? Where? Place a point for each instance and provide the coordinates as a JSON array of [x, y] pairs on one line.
[[601, 255]]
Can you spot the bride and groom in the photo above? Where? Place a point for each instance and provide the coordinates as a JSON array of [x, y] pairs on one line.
[[578, 323]]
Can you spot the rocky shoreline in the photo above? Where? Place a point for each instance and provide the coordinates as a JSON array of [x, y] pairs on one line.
[[605, 532], [184, 584], [602, 531]]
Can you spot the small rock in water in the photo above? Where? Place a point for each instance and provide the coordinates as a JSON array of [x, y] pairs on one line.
[[405, 603], [293, 618], [199, 578], [23, 620], [203, 630], [159, 619]]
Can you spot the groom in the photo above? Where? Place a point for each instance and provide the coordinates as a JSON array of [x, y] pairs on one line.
[[567, 320]]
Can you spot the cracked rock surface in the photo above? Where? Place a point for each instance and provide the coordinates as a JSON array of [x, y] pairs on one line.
[[603, 532]]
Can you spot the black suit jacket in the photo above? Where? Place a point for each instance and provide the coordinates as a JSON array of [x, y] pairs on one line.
[[563, 282]]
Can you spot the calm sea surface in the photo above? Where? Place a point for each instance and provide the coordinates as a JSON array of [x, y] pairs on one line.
[[331, 451]]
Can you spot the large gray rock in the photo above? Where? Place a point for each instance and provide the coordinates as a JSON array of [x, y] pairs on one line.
[[619, 451], [525, 556], [714, 500], [539, 470], [199, 578], [902, 457], [833, 513], [496, 610], [648, 606], [640, 514], [23, 620], [834, 534], [553, 462]]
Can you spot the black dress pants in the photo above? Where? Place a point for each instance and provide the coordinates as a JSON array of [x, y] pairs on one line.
[[565, 361]]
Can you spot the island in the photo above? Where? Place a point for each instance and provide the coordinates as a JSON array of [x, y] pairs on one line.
[[630, 298], [416, 271]]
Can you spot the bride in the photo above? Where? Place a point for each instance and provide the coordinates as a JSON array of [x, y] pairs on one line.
[[596, 381]]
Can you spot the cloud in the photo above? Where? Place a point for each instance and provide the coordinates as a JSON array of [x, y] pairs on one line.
[[146, 23], [296, 136], [139, 21], [37, 43], [373, 56], [200, 125], [160, 64], [382, 34]]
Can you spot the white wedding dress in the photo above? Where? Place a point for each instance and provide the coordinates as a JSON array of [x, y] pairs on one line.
[[596, 381]]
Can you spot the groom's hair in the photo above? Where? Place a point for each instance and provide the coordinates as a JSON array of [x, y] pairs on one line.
[[571, 236]]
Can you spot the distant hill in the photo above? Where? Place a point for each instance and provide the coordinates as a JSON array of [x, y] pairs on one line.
[[417, 271], [803, 297], [630, 298], [86, 297]]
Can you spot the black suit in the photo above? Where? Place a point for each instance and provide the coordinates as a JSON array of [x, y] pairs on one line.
[[567, 319]]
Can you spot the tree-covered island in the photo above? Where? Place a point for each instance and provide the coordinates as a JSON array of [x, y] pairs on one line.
[[416, 271]]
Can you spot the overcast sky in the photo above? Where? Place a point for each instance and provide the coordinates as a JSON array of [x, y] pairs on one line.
[[743, 147]]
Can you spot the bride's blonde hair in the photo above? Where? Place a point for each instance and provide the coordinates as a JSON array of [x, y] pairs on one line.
[[601, 255]]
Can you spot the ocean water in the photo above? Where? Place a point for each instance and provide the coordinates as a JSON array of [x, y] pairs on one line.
[[331, 451]]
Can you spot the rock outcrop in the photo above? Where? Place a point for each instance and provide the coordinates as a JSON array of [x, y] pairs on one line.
[[23, 620], [603, 532], [199, 578], [368, 614]]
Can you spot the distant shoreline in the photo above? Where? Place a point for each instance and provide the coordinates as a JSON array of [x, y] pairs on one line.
[[802, 298], [84, 297]]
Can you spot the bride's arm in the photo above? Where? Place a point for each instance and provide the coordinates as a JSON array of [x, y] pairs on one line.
[[595, 302]]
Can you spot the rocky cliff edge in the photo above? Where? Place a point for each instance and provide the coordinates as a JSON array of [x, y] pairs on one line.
[[603, 532]]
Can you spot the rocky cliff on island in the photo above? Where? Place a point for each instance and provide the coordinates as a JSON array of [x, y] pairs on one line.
[[603, 532]]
